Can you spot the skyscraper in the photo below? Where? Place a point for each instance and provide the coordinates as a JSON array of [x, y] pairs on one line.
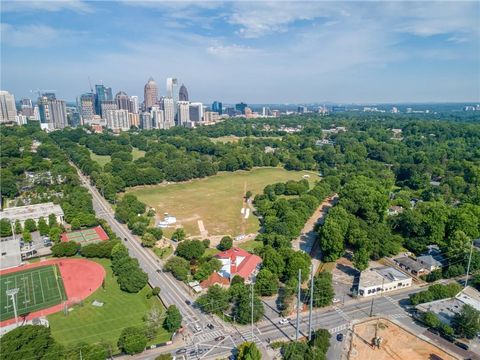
[[196, 111], [158, 118], [8, 110], [241, 107], [103, 93], [53, 112], [146, 121], [117, 119], [135, 104], [123, 101], [168, 112], [171, 87], [107, 105], [183, 93], [86, 107], [217, 107], [150, 94], [183, 113]]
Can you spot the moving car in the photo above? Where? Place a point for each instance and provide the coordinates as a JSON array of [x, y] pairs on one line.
[[219, 338], [188, 302], [340, 337], [197, 327], [210, 326], [283, 321], [181, 351]]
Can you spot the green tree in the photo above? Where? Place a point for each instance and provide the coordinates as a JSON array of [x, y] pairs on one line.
[[156, 232], [266, 283], [179, 235], [243, 309], [179, 267], [248, 351], [206, 268], [43, 227], [30, 342], [467, 322], [18, 227], [321, 340], [431, 320], [166, 356], [225, 244], [27, 237], [190, 249], [361, 257], [458, 246], [273, 260], [133, 281], [153, 321], [30, 225], [52, 220], [216, 300], [68, 248], [248, 194], [55, 233], [132, 340], [323, 292], [156, 291], [148, 240], [5, 228], [173, 321]]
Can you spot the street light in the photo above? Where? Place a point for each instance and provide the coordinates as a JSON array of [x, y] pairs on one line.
[[12, 293]]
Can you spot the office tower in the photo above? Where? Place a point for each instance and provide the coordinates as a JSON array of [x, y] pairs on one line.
[[26, 103], [266, 111], [50, 95], [168, 111], [302, 109], [107, 105], [86, 107], [171, 88], [146, 121], [217, 107], [103, 93], [123, 101], [150, 94], [241, 107], [36, 114], [183, 112], [158, 118], [230, 111], [117, 119], [196, 111], [8, 110], [135, 104], [210, 117], [53, 112], [75, 119], [183, 93], [134, 119]]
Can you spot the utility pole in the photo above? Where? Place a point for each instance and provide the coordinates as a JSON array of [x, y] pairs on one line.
[[13, 293], [468, 267], [311, 306], [251, 287], [298, 303]]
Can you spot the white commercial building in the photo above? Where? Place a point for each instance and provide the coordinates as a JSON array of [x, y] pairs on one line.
[[34, 212], [117, 119], [183, 113], [158, 118], [168, 112], [8, 110], [381, 280]]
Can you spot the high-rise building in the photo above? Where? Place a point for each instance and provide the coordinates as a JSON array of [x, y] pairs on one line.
[[150, 94], [196, 111], [158, 118], [26, 107], [217, 107], [210, 117], [135, 104], [86, 107], [266, 111], [26, 103], [8, 110], [103, 93], [53, 112], [134, 119], [117, 119], [183, 93], [123, 101], [241, 107], [146, 121], [172, 84], [168, 112], [183, 112], [107, 105], [302, 109]]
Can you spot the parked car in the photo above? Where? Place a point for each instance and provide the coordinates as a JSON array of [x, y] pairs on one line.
[[462, 345], [181, 351], [188, 302], [283, 321], [210, 326], [197, 327], [219, 338]]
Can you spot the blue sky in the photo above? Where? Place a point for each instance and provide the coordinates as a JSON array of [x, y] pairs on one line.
[[252, 51]]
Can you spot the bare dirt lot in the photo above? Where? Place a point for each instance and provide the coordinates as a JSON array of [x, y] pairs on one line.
[[397, 343]]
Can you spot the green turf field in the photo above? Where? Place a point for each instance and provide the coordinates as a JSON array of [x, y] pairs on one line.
[[39, 288], [93, 324], [216, 200], [101, 159]]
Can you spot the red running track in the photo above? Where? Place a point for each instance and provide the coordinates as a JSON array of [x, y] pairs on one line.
[[81, 278]]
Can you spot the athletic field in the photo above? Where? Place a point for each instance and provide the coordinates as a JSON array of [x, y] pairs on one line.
[[39, 288]]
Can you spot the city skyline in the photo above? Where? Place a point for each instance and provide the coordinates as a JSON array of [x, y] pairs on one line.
[[284, 52]]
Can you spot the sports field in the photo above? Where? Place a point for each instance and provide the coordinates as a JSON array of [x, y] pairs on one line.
[[39, 288], [215, 201], [86, 236]]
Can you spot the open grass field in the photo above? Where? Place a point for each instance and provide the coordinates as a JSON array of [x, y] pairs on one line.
[[216, 200], [93, 324], [39, 289], [233, 138], [137, 153], [101, 159]]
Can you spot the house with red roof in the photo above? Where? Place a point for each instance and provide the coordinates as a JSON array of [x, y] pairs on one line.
[[235, 261]]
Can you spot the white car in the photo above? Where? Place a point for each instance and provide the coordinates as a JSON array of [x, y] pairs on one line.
[[283, 321], [335, 300], [198, 327]]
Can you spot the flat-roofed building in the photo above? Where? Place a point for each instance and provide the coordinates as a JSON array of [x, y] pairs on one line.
[[10, 255], [381, 280], [34, 212]]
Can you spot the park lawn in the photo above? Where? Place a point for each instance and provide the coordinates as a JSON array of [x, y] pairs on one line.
[[250, 245], [211, 252], [216, 200], [100, 159], [234, 139], [163, 253], [93, 324], [137, 153]]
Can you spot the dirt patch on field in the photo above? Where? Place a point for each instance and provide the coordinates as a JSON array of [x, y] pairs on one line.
[[397, 343]]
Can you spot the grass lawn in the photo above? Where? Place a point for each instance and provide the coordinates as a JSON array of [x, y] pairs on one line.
[[249, 246], [38, 288], [233, 138], [216, 200], [101, 159], [93, 324], [163, 253], [211, 252], [137, 153]]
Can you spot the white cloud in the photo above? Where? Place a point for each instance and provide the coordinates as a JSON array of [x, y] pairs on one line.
[[46, 5], [28, 36], [232, 50]]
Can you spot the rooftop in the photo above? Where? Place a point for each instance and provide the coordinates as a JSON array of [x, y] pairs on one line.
[[410, 263], [376, 276], [36, 211]]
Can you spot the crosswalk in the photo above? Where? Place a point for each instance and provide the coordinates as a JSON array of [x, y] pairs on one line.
[[341, 313], [338, 329], [247, 335], [207, 336]]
